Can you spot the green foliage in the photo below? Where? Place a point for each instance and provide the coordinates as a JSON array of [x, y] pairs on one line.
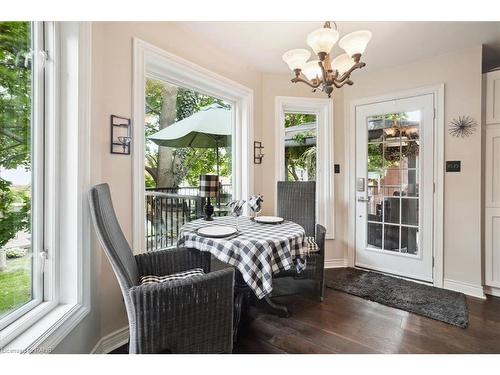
[[392, 116], [15, 252], [193, 162], [15, 120], [302, 137], [304, 156], [308, 160], [15, 94], [301, 157], [14, 212], [16, 284], [294, 119], [149, 181], [375, 159], [380, 159]]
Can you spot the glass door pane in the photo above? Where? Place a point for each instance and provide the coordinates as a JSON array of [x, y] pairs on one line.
[[393, 179]]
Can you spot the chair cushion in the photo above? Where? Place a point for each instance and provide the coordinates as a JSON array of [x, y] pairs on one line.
[[175, 276], [312, 246]]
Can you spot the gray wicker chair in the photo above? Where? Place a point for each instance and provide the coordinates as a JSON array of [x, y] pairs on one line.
[[193, 315], [297, 202]]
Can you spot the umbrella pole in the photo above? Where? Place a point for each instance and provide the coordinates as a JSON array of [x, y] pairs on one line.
[[217, 163]]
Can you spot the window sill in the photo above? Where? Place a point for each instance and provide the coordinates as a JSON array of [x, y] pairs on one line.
[[44, 335]]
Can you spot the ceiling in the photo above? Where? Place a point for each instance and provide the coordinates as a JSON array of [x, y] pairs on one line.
[[261, 44]]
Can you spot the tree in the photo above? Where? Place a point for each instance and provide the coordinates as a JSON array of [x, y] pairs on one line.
[[187, 163], [15, 120], [382, 157], [294, 119]]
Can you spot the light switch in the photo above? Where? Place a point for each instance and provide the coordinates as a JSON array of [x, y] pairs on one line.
[[453, 166]]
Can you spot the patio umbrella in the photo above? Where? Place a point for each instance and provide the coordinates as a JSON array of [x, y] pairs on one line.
[[208, 128]]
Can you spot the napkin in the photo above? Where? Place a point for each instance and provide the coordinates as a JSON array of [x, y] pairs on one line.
[[236, 207], [255, 202]]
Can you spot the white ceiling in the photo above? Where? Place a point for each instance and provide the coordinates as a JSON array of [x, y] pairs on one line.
[[261, 44]]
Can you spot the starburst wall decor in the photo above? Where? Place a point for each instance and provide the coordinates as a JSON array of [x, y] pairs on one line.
[[462, 127]]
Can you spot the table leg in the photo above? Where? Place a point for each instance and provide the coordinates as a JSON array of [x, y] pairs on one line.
[[242, 294], [239, 301], [275, 308]]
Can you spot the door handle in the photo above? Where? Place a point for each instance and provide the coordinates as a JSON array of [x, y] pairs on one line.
[[363, 199]]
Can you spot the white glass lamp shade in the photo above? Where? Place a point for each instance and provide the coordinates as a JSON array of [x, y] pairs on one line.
[[322, 40], [342, 63], [312, 70], [296, 58], [355, 42]]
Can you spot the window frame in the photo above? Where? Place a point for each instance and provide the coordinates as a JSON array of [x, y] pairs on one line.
[[152, 61], [323, 109], [37, 125], [67, 166]]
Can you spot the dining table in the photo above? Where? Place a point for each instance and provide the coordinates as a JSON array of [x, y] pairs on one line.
[[256, 250]]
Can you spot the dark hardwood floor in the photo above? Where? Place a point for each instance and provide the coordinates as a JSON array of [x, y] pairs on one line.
[[344, 323]]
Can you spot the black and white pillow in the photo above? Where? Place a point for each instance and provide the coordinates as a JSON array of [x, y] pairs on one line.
[[312, 246], [175, 276]]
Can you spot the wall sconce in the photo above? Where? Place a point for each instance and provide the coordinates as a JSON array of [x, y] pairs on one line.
[[120, 135], [257, 152]]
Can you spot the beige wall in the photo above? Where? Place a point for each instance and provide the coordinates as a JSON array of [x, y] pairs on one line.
[[111, 94], [461, 74]]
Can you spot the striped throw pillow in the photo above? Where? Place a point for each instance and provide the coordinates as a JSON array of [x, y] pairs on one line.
[[312, 246], [175, 276]]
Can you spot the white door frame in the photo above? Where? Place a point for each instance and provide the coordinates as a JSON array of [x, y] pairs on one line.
[[149, 60], [323, 108], [350, 160]]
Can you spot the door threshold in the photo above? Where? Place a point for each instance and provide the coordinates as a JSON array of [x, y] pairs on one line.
[[430, 283]]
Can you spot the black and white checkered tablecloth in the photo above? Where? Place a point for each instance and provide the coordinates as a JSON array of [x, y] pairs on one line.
[[257, 252]]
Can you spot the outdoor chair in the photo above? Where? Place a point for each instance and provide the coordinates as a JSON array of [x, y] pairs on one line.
[[297, 203], [185, 315]]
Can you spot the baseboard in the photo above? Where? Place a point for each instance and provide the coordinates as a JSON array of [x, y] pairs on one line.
[[335, 263], [111, 342], [465, 288], [492, 291]]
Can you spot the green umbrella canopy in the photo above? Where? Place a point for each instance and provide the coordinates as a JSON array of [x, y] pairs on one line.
[[208, 128]]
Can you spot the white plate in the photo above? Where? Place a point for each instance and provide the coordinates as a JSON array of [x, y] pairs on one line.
[[217, 231], [269, 219]]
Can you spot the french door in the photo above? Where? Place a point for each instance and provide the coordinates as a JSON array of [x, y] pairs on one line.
[[395, 186]]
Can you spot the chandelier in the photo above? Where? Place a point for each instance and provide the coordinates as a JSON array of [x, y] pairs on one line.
[[324, 74]]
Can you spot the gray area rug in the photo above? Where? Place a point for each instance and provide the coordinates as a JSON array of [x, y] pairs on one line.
[[440, 304]]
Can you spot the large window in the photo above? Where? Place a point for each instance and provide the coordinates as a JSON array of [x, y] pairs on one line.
[[304, 144], [187, 134], [198, 89], [45, 158], [300, 146], [21, 153]]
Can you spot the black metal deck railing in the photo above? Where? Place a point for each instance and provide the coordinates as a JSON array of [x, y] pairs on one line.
[[168, 209]]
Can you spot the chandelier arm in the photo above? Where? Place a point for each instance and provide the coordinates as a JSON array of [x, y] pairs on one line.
[[345, 82], [307, 82], [347, 74]]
